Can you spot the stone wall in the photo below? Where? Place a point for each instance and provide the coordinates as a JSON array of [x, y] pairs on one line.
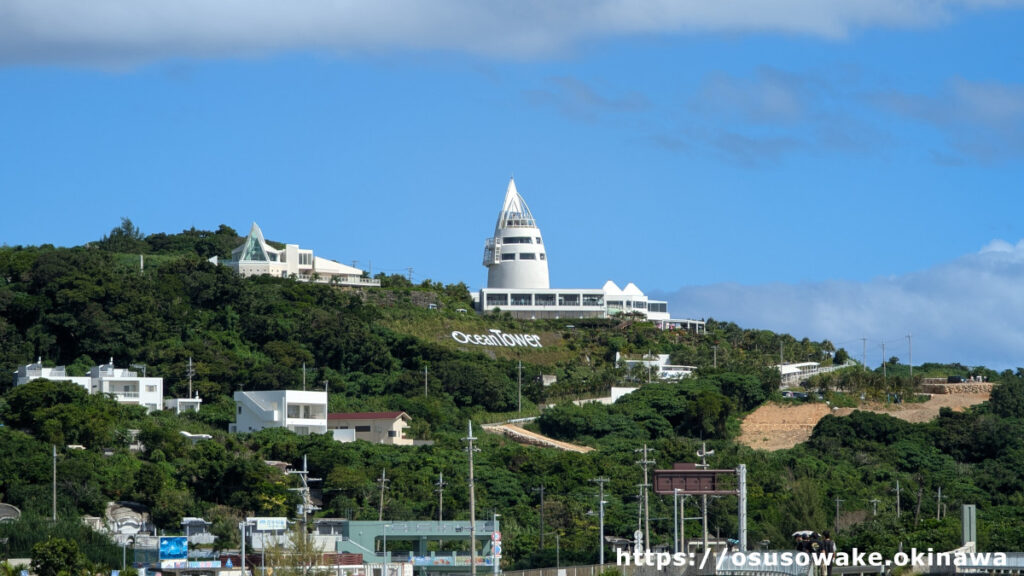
[[960, 388]]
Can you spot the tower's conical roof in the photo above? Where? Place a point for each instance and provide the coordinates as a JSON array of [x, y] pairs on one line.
[[514, 212]]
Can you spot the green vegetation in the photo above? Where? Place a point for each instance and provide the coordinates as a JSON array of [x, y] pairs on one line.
[[371, 347]]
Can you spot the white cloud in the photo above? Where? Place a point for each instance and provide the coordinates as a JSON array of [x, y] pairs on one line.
[[970, 310], [119, 32]]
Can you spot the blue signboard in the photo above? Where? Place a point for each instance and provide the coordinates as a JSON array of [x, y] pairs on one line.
[[173, 548]]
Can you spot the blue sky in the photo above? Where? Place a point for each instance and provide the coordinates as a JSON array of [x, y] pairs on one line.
[[840, 170]]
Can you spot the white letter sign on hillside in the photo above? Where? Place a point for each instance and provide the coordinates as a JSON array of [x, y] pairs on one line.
[[498, 338]]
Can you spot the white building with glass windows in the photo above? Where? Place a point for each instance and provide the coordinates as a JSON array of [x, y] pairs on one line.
[[257, 258], [303, 412], [126, 386], [517, 278]]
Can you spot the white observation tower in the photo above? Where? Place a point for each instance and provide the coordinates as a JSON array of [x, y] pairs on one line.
[[515, 256]]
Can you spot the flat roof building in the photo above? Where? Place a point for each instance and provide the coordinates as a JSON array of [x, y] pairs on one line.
[[126, 386], [301, 411]]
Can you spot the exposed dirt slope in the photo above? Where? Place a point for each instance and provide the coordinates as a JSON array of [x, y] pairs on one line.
[[775, 426]]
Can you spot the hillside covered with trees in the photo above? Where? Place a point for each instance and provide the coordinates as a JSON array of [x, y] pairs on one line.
[[373, 347]]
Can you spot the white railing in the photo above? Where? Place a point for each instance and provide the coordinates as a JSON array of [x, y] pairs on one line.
[[804, 374]]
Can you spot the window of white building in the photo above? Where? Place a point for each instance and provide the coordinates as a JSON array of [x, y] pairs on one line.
[[568, 299], [521, 300], [545, 299]]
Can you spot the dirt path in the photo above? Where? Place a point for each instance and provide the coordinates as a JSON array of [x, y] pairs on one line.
[[776, 427], [524, 436]]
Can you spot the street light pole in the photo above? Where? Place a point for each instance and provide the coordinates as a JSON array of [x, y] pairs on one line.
[[494, 543], [675, 519], [241, 528]]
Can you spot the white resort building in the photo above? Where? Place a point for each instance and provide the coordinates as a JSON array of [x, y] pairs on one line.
[[303, 412], [517, 278], [126, 386], [255, 257]]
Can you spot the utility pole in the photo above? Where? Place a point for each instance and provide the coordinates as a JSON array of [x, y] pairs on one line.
[[781, 360], [426, 388], [703, 454], [897, 499], [541, 490], [307, 503], [54, 510], [440, 495], [884, 382], [410, 282], [303, 376], [520, 379], [600, 514], [472, 496], [383, 482], [644, 464], [837, 515], [910, 353], [874, 506], [191, 373], [938, 505], [716, 355]]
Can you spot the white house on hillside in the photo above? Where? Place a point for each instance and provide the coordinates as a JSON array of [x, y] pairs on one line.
[[256, 258], [301, 411], [376, 427], [126, 386]]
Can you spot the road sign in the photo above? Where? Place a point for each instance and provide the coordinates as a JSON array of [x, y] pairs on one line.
[[497, 549], [496, 536]]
